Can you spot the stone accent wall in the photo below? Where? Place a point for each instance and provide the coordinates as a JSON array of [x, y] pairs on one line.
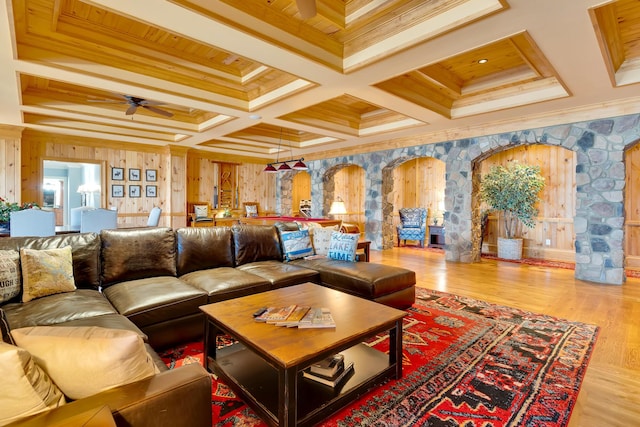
[[600, 177]]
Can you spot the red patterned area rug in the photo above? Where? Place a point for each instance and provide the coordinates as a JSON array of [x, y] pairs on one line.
[[466, 363], [535, 261]]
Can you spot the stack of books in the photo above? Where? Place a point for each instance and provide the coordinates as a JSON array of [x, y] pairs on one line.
[[296, 316], [331, 371]]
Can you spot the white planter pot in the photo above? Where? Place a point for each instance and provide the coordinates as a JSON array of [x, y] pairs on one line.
[[509, 248]]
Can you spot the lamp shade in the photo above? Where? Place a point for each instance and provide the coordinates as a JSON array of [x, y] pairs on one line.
[[284, 167], [300, 166], [337, 208], [270, 169]]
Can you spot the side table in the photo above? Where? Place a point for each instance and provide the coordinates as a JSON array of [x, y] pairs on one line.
[[436, 236], [365, 245]]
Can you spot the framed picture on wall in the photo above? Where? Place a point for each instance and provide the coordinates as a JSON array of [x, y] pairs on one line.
[[134, 190], [134, 174], [117, 174], [117, 190], [152, 190], [152, 175]]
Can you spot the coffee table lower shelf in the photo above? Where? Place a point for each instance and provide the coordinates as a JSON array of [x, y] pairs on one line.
[[254, 380]]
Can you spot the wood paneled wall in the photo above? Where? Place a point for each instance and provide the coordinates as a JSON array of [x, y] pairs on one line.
[[257, 186], [420, 183], [632, 208], [553, 236], [202, 177], [10, 165], [253, 185], [132, 212], [176, 170], [350, 187], [301, 190]]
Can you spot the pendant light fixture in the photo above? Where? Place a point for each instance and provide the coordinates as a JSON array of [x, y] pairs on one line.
[[284, 165]]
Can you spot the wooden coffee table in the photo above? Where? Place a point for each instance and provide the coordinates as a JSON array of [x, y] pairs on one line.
[[264, 367]]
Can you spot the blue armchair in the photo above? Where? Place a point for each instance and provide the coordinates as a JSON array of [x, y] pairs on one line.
[[413, 225]]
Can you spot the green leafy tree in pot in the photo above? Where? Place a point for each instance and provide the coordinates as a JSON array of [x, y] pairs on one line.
[[514, 190]]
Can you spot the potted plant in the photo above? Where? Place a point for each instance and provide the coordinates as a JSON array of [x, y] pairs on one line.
[[513, 190]]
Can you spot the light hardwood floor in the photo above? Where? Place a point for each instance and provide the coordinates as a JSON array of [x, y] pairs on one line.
[[610, 393]]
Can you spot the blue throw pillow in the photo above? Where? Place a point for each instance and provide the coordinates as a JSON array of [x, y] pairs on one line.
[[410, 219], [343, 246], [296, 244]]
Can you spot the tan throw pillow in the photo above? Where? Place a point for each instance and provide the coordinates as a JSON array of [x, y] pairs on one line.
[[27, 389], [9, 275], [202, 211], [304, 225], [86, 360], [46, 272], [322, 239]]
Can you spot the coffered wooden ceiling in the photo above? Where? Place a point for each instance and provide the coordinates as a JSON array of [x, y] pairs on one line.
[[254, 78]]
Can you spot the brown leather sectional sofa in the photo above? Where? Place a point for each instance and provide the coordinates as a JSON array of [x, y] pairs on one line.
[[153, 281]]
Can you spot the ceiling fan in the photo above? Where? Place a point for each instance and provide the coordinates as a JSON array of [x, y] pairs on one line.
[[307, 8], [135, 102]]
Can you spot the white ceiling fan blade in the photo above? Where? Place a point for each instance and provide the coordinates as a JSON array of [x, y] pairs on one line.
[[131, 110], [307, 8]]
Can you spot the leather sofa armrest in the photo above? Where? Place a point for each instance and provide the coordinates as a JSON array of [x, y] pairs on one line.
[[177, 398]]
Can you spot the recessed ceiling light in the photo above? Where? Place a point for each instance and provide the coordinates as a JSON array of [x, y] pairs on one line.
[[483, 61], [255, 116]]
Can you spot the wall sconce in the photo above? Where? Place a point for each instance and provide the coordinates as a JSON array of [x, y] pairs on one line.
[[338, 207]]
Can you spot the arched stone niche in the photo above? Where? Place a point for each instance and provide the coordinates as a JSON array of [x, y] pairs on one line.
[[600, 178]]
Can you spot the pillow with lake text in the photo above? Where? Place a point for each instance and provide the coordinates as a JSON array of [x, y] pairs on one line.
[[343, 246]]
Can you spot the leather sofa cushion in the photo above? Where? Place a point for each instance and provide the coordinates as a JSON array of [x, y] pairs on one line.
[[368, 280], [155, 299], [202, 248], [181, 395], [85, 252], [58, 308], [86, 360], [109, 321], [224, 283], [281, 274], [253, 243], [137, 253]]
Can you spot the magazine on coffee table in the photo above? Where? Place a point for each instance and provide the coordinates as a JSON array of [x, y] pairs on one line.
[[275, 314], [317, 318], [303, 317]]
